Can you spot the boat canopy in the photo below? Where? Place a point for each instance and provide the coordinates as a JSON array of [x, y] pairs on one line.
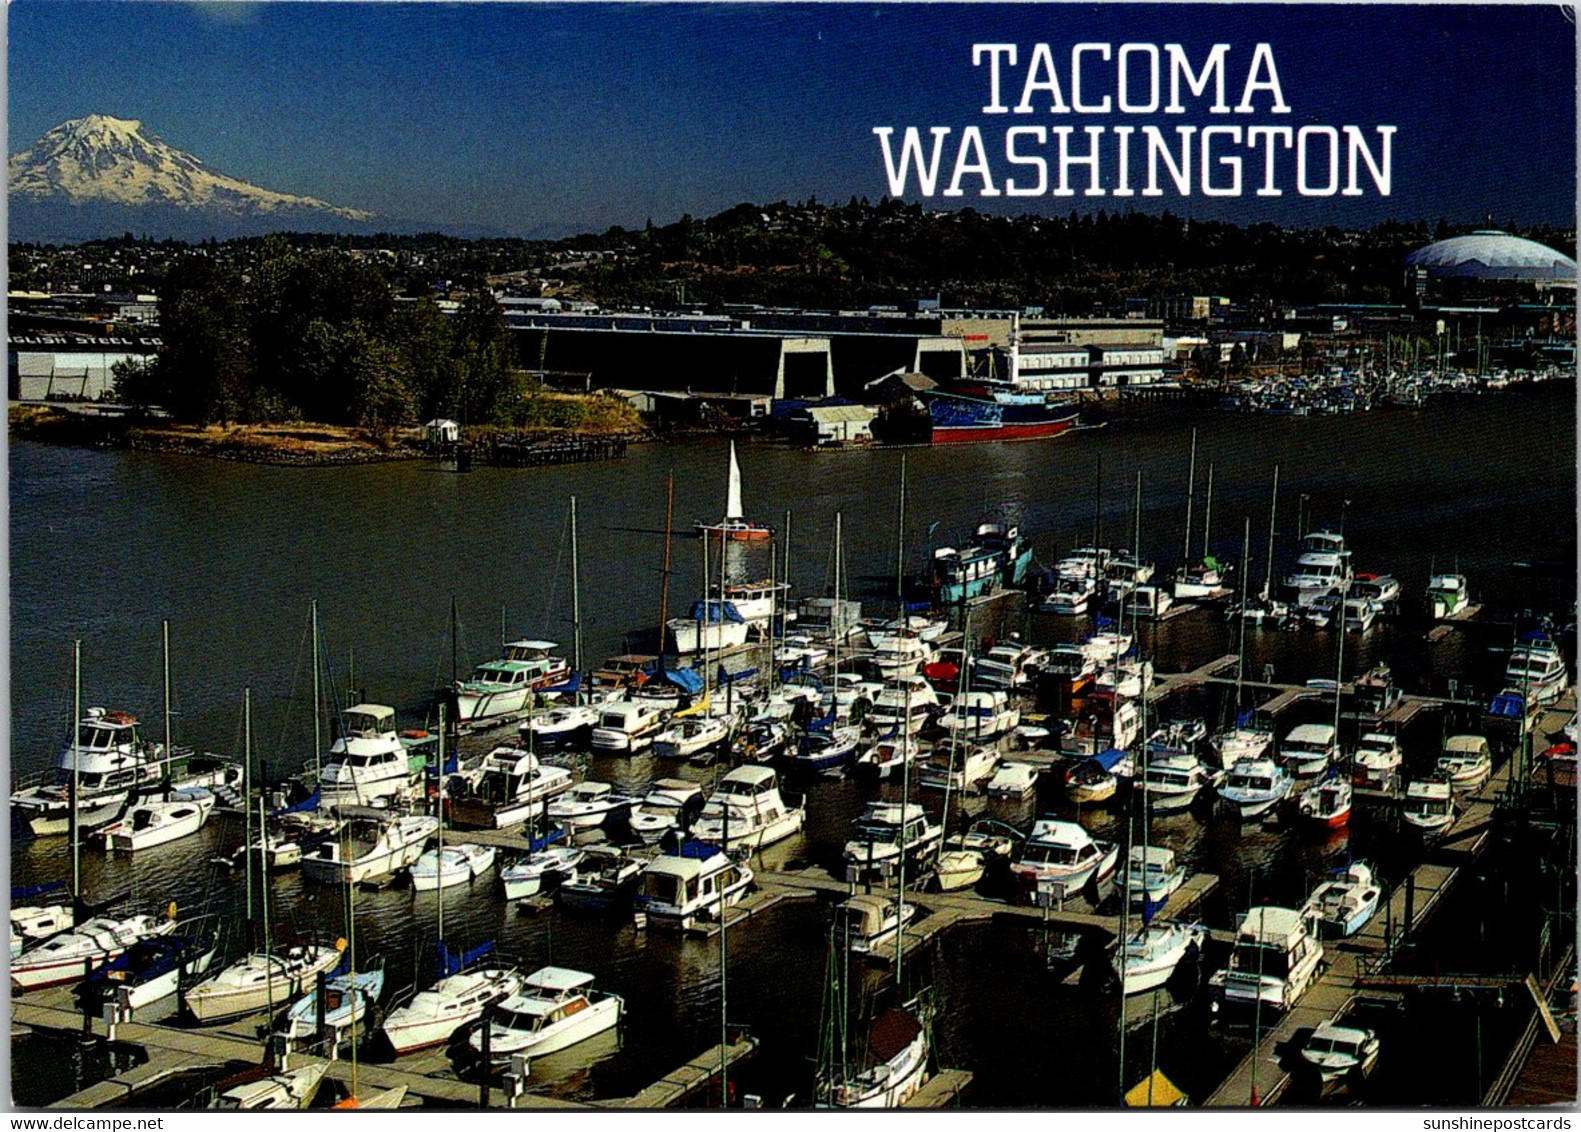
[[571, 685], [1466, 745], [733, 677], [1269, 924], [31, 891], [713, 610], [558, 979], [1106, 760], [687, 680], [311, 802]]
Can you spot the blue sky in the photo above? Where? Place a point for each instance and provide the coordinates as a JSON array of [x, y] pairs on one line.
[[546, 119]]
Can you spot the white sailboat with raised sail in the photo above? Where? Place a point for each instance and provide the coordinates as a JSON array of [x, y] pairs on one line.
[[734, 527]]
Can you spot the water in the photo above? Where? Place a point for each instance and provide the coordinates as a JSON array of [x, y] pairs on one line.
[[106, 544]]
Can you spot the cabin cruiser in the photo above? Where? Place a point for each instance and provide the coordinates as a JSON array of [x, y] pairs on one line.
[[605, 881], [886, 834], [1104, 722], [757, 602], [957, 766], [1147, 602], [626, 671], [1126, 679], [698, 882], [555, 1009], [347, 998], [1071, 664], [1013, 780], [1376, 694], [889, 757], [1254, 787], [747, 812], [512, 786], [160, 821], [628, 725], [73, 955], [1343, 905], [1324, 566], [1206, 579], [35, 924], [713, 625], [1510, 712], [454, 864], [1243, 742], [1377, 761], [869, 924], [1383, 590], [112, 765], [1429, 805], [1071, 596], [1152, 876], [1172, 782], [761, 740], [670, 804], [1537, 668], [1125, 571], [1326, 802], [253, 982], [1466, 763], [1150, 955], [373, 845], [1060, 859], [1336, 1051], [433, 1016], [1083, 562], [505, 686], [1107, 645], [1447, 595], [369, 764], [1360, 613], [800, 650], [589, 804], [1308, 749], [150, 970], [285, 837], [1274, 960], [881, 633], [562, 726], [903, 656], [904, 704], [1007, 667]]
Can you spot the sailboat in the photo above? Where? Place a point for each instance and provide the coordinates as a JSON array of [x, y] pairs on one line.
[[734, 527]]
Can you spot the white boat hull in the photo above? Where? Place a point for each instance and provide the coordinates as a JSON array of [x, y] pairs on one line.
[[598, 1017]]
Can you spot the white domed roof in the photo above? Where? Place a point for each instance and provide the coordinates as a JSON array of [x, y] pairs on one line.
[[1490, 254]]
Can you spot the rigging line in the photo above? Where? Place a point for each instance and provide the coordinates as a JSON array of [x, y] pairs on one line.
[[296, 674]]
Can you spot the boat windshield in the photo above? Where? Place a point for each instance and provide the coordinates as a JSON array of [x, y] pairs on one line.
[[1333, 1045], [1249, 782], [1260, 958], [1050, 855], [877, 833]]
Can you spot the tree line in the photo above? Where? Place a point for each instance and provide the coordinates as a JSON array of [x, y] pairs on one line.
[[319, 335]]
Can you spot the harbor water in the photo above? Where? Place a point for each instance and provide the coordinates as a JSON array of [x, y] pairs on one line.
[[106, 544]]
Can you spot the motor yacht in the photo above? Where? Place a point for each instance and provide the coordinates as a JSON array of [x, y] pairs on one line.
[[1342, 905], [1537, 668], [555, 1009], [1152, 876], [1013, 780], [1308, 749], [505, 687], [957, 767], [373, 845], [1253, 788], [1337, 1052], [867, 925], [541, 870], [1172, 782], [980, 717], [670, 804], [1447, 596], [1377, 761], [1467, 763], [1326, 802], [1323, 566], [512, 785], [1059, 860], [628, 725], [884, 835], [698, 882], [690, 735], [746, 811], [589, 804], [369, 763], [1429, 805], [1274, 960], [1151, 954], [566, 726]]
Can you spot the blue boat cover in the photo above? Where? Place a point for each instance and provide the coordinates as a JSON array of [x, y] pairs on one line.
[[29, 891], [452, 964], [732, 677], [570, 685], [1107, 759], [917, 606], [697, 850], [1101, 622], [822, 724], [686, 679], [1507, 705], [714, 610], [451, 766], [311, 802], [534, 844]]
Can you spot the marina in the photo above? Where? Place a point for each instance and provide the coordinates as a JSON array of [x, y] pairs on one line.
[[686, 1035]]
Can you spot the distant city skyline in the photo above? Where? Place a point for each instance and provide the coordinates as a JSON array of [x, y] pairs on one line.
[[548, 120]]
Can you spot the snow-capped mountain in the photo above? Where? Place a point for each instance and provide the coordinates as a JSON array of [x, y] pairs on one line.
[[110, 171]]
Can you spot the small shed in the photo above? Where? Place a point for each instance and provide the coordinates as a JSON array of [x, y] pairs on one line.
[[834, 425], [441, 431]]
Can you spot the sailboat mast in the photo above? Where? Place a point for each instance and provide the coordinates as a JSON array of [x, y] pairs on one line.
[[455, 632], [836, 621], [900, 553], [703, 628], [247, 796], [664, 587], [1273, 508], [263, 896], [1207, 513], [905, 800], [1191, 491], [318, 709], [1097, 503], [441, 803], [1240, 658], [786, 574], [576, 596], [164, 627], [76, 785]]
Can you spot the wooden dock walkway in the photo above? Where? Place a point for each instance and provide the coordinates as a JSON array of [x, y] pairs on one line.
[[1175, 681], [683, 1082], [943, 1090]]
